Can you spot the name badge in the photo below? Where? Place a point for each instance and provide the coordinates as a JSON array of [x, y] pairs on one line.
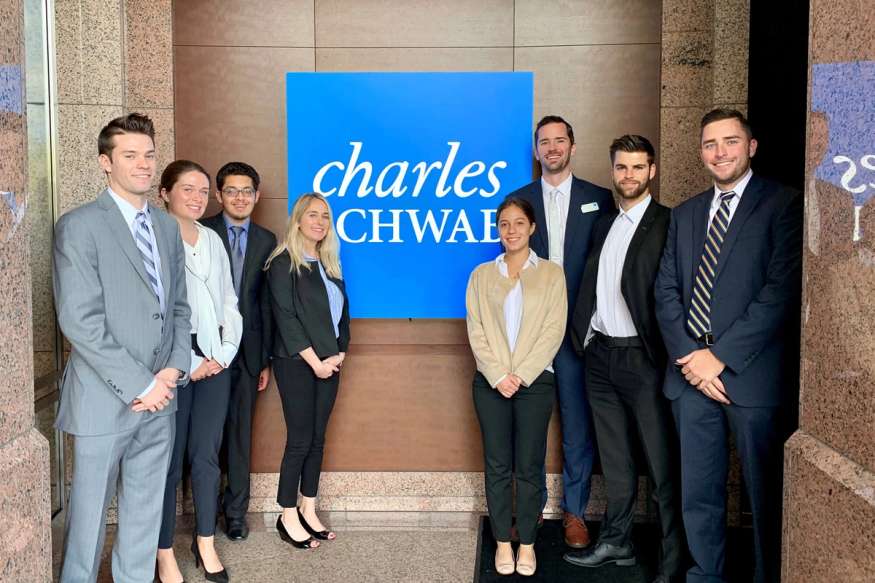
[[589, 207]]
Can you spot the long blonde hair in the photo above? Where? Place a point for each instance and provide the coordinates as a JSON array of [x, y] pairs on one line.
[[293, 241]]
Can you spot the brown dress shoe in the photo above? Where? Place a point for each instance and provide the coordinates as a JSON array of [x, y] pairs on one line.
[[576, 533]]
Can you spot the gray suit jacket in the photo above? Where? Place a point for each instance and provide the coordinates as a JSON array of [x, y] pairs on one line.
[[109, 313]]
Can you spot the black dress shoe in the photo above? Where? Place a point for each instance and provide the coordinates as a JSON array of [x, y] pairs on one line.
[[218, 576], [320, 534], [602, 554], [236, 529], [309, 543]]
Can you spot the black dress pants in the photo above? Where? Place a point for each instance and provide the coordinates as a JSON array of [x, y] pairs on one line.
[[307, 403], [625, 392], [200, 419], [238, 440], [514, 436]]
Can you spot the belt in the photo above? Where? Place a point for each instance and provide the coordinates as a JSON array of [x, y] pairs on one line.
[[618, 342], [707, 339]]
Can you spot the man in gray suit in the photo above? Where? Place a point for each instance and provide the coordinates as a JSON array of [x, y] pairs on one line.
[[119, 283]]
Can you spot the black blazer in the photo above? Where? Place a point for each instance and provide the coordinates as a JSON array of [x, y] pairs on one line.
[[756, 289], [578, 228], [301, 311], [636, 281], [254, 301]]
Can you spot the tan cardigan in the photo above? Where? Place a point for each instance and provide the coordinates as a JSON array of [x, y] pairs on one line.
[[545, 311]]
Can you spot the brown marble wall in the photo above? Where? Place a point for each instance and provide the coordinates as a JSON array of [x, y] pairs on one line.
[[25, 543], [829, 498]]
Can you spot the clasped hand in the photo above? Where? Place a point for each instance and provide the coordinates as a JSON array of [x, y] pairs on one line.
[[329, 366], [207, 368], [702, 370], [509, 385], [160, 395]]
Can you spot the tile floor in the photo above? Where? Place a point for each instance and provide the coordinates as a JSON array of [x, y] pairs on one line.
[[380, 547]]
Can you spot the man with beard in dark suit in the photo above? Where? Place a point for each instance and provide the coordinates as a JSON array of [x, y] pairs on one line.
[[615, 324]]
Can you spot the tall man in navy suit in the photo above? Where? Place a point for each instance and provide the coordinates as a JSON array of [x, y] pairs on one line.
[[727, 287], [248, 246], [566, 208]]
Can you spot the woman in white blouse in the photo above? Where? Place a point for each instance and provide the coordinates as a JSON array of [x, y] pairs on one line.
[[216, 328]]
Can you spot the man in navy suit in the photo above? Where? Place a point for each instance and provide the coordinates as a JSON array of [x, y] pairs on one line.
[[727, 288], [566, 208]]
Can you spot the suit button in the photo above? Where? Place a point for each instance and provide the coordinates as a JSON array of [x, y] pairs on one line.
[[156, 316], [155, 352]]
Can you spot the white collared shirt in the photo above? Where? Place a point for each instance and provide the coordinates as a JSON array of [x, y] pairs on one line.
[[513, 303], [733, 204], [557, 231], [612, 317]]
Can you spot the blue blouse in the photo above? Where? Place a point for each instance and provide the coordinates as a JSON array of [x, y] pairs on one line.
[[335, 296]]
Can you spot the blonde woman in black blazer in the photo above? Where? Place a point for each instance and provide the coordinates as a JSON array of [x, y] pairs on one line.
[[311, 335]]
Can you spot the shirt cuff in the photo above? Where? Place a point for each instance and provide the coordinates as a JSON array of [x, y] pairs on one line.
[[195, 362], [501, 378], [148, 389]]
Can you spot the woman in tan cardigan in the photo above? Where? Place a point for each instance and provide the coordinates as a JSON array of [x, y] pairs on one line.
[[517, 309]]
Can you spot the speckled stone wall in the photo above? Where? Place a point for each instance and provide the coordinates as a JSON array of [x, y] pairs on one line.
[[25, 545], [829, 496], [704, 65]]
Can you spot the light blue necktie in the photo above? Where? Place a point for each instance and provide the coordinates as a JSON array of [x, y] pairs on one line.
[[237, 257]]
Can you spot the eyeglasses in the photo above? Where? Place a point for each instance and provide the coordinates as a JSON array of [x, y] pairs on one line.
[[232, 192]]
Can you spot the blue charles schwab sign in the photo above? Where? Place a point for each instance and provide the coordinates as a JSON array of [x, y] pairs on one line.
[[413, 165]]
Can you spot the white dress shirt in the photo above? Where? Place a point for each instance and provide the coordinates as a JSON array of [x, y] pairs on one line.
[[612, 317], [513, 303], [212, 299], [733, 204], [556, 232]]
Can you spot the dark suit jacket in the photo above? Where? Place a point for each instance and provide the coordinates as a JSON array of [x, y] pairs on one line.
[[636, 282], [578, 229], [302, 313], [254, 301], [756, 289]]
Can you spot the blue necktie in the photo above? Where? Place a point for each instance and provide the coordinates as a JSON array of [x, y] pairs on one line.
[[144, 244], [237, 257], [699, 317]]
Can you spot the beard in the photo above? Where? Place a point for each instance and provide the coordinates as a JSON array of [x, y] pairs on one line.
[[633, 194]]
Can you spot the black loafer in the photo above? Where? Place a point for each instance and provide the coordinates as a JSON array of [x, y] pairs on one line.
[[602, 554], [236, 529]]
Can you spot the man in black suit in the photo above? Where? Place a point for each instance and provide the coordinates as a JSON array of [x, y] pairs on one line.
[[615, 324], [727, 289], [566, 208], [248, 246]]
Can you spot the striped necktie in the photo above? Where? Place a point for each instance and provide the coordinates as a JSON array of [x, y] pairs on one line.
[[144, 244], [699, 318]]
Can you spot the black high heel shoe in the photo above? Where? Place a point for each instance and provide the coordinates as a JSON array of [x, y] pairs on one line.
[[320, 534], [218, 577], [285, 536]]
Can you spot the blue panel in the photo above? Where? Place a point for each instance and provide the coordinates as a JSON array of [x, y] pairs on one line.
[[413, 165]]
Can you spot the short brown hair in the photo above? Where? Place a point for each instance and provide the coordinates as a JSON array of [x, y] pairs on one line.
[[132, 123], [721, 113], [633, 143], [554, 119]]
